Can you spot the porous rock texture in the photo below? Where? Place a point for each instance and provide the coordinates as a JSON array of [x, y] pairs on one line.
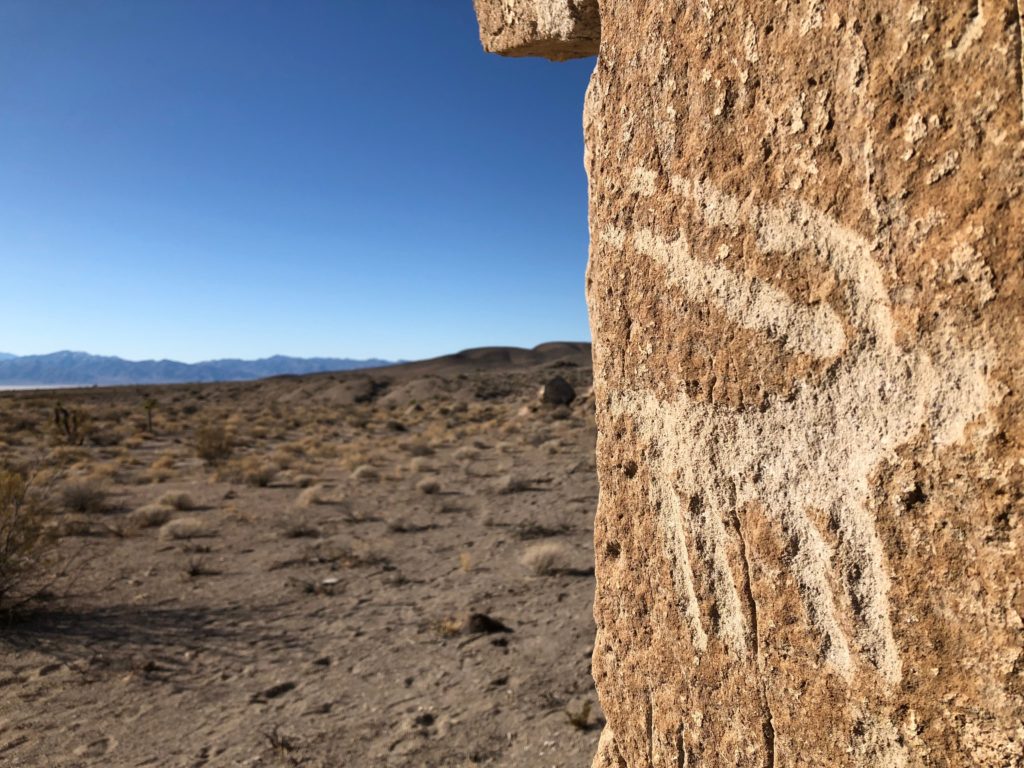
[[554, 29], [805, 288]]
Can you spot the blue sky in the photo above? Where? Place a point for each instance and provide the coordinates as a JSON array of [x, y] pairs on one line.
[[193, 179]]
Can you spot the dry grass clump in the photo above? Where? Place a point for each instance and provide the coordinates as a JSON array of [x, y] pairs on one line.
[[547, 558], [466, 453], [251, 470], [420, 464], [315, 494], [213, 443], [319, 494], [165, 460], [418, 449], [186, 528], [150, 515], [84, 496], [259, 473], [365, 473], [178, 500], [302, 480], [512, 484], [26, 543], [428, 485]]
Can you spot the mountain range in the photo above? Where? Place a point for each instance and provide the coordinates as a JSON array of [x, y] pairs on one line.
[[82, 369]]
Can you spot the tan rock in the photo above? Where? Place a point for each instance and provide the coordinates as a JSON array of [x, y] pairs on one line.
[[806, 289], [553, 29]]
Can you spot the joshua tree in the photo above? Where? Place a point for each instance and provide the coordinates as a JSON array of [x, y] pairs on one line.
[[149, 404], [71, 426]]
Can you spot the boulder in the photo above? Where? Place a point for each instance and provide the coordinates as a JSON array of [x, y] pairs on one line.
[[806, 290], [557, 391]]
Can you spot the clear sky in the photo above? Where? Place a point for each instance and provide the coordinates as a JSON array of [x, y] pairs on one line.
[[194, 179]]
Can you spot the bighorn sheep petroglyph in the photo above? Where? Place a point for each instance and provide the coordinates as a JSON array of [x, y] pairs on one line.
[[820, 445]]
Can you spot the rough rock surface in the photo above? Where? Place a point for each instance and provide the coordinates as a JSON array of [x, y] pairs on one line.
[[806, 298], [554, 29]]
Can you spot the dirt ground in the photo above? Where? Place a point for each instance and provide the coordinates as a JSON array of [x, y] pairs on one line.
[[386, 568]]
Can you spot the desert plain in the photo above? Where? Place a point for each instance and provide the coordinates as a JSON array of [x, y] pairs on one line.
[[390, 567]]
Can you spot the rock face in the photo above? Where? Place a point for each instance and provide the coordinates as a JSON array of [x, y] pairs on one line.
[[554, 29], [805, 287]]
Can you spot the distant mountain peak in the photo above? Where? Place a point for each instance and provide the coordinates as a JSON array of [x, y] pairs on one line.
[[71, 368]]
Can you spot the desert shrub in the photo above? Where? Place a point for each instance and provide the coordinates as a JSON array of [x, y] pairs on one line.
[[85, 496], [420, 464], [365, 473], [26, 542], [428, 485], [418, 449], [466, 453], [186, 528], [259, 474], [150, 516], [547, 558], [314, 494], [213, 443], [178, 500], [581, 718], [512, 484]]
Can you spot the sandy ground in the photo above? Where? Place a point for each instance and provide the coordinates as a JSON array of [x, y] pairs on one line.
[[388, 569]]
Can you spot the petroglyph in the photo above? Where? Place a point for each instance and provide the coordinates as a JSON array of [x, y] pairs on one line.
[[816, 449]]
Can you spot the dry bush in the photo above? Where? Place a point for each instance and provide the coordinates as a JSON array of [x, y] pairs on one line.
[[165, 460], [155, 475], [511, 484], [105, 470], [319, 494], [418, 449], [347, 554], [178, 500], [150, 515], [186, 528], [85, 497], [466, 453], [251, 470], [301, 530], [315, 494], [365, 473], [213, 443], [547, 558], [428, 485], [67, 455], [420, 464], [581, 719], [259, 473], [73, 525], [26, 542]]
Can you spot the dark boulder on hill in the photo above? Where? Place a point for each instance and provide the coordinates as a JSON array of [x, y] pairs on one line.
[[558, 391]]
